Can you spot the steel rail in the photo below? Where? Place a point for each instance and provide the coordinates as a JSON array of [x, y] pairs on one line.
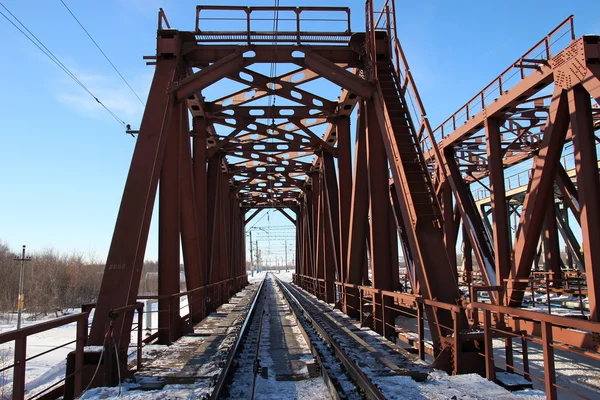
[[227, 368], [259, 334], [333, 391], [360, 378]]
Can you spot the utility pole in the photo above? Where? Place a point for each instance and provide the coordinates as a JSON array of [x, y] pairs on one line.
[[251, 269], [286, 266], [257, 256], [21, 300]]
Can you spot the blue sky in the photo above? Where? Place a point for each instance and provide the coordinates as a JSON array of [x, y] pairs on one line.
[[64, 160]]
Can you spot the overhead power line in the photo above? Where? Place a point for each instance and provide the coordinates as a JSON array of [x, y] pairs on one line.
[[38, 43], [103, 53]]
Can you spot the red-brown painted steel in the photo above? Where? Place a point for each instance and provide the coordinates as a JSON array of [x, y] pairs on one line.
[[344, 167], [333, 212], [126, 254], [379, 210], [551, 246], [169, 323], [190, 236], [541, 187], [342, 213], [499, 203], [586, 165], [472, 220]]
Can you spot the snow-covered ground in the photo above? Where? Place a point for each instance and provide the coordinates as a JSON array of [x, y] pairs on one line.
[[574, 372], [577, 373], [47, 369], [282, 274], [42, 371]]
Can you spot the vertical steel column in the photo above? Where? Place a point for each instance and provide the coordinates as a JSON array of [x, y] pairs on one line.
[[344, 194], [379, 210], [225, 227], [357, 233], [200, 190], [408, 259], [395, 262], [551, 246], [169, 322], [333, 211], [309, 231], [121, 279], [474, 227], [330, 245], [467, 254], [498, 200], [540, 189], [586, 166], [299, 259], [449, 235], [213, 189], [568, 191], [320, 237], [190, 245]]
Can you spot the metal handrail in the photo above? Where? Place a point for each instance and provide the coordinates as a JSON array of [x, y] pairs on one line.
[[540, 53], [249, 35], [19, 336]]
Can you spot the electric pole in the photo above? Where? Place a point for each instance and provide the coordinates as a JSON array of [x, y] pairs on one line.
[[251, 269], [21, 300], [257, 256], [286, 266]]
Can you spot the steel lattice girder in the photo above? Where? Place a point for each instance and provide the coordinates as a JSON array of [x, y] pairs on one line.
[[263, 162]]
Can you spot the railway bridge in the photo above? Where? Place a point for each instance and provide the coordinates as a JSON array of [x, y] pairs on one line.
[[327, 127]]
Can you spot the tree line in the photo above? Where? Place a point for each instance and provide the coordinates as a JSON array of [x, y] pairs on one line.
[[56, 281]]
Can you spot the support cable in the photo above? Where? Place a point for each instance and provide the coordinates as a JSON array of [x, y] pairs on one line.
[[273, 74], [38, 43], [103, 53]]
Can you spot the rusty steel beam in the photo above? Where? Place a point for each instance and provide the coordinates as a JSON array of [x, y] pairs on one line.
[[540, 189], [122, 274], [500, 219], [200, 191], [190, 237], [329, 244], [357, 230], [267, 112], [344, 167], [319, 218], [449, 232], [292, 220], [212, 221], [169, 323], [379, 210], [472, 220], [209, 75], [552, 259], [337, 75], [202, 55], [251, 217], [424, 234], [259, 84], [568, 190], [333, 210], [408, 259], [586, 167]]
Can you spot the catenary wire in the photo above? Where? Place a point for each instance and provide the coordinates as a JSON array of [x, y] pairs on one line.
[[101, 51], [56, 60]]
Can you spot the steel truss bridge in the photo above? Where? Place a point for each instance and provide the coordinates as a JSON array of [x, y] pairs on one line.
[[215, 162]]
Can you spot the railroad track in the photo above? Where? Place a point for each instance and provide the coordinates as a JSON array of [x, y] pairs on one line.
[[273, 355], [221, 386], [290, 346], [373, 365]]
